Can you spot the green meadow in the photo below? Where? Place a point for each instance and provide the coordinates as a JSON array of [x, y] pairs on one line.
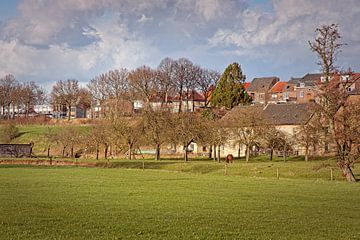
[[117, 203]]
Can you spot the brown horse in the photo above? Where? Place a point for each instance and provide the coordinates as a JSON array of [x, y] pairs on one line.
[[229, 158]]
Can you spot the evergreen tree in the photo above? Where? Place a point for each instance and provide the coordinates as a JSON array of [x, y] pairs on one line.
[[230, 90]]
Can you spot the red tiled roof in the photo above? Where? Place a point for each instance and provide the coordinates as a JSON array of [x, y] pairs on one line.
[[247, 85], [278, 87]]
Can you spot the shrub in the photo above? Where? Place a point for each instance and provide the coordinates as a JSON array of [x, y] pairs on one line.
[[8, 133]]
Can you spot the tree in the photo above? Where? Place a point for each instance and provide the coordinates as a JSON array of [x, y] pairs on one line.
[[66, 93], [100, 135], [166, 75], [207, 79], [157, 127], [143, 82], [336, 111], [309, 135], [187, 128], [247, 128], [230, 90], [31, 94], [272, 139], [326, 46], [8, 86]]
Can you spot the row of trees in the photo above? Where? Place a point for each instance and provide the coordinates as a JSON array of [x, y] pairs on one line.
[[172, 78], [16, 97]]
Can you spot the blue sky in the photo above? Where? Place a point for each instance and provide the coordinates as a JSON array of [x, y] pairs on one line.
[[49, 40]]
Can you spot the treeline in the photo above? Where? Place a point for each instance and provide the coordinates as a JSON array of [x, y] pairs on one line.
[[16, 97]]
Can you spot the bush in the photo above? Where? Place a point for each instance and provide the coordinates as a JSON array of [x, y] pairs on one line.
[[8, 133]]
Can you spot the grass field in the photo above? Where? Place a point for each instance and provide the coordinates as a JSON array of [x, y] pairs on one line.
[[112, 203]]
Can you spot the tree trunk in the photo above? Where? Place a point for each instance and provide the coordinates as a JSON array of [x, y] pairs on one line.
[[210, 152], [348, 174], [48, 151], [97, 153], [214, 152], [106, 151], [239, 150], [72, 152], [69, 112], [306, 153], [186, 153], [285, 153], [271, 154], [157, 154], [130, 151], [218, 153], [63, 151], [247, 154]]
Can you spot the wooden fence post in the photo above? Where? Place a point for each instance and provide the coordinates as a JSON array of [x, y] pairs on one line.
[[225, 169], [277, 173], [331, 174]]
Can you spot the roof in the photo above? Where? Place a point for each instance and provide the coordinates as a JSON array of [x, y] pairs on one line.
[[288, 114], [278, 87], [310, 79], [294, 80], [189, 96], [262, 84], [275, 114], [247, 85]]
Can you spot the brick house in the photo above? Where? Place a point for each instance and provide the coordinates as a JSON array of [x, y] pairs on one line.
[[259, 89]]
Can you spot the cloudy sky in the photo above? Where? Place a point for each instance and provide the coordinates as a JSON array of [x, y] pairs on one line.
[[49, 40]]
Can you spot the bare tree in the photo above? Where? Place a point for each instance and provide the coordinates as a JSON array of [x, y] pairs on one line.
[[247, 128], [166, 75], [158, 128], [188, 128], [326, 45], [8, 85], [31, 94], [272, 139], [309, 136], [66, 93], [337, 112], [207, 79], [143, 82]]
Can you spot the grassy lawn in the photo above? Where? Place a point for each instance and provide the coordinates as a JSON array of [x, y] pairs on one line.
[[35, 134], [113, 203]]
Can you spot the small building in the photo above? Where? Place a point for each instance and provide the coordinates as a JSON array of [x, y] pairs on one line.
[[259, 89]]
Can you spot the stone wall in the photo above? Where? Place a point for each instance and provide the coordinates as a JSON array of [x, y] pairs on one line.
[[15, 150]]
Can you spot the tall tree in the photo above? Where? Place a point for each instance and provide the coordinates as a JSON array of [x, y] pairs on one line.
[[166, 75], [207, 79], [326, 45], [230, 90], [8, 86], [66, 93], [339, 114], [143, 83]]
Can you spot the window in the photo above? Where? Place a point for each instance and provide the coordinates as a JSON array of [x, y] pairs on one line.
[[302, 94], [302, 84], [261, 96], [286, 96], [274, 96]]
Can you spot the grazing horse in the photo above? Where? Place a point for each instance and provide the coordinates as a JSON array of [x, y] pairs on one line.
[[229, 158]]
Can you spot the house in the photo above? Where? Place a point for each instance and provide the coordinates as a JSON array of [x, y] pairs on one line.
[[287, 118], [306, 87], [277, 93], [259, 89], [190, 101]]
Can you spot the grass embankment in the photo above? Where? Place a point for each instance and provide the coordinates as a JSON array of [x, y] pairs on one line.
[[319, 169], [36, 133], [98, 203]]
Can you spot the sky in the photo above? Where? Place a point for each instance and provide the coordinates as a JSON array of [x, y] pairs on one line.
[[50, 40]]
